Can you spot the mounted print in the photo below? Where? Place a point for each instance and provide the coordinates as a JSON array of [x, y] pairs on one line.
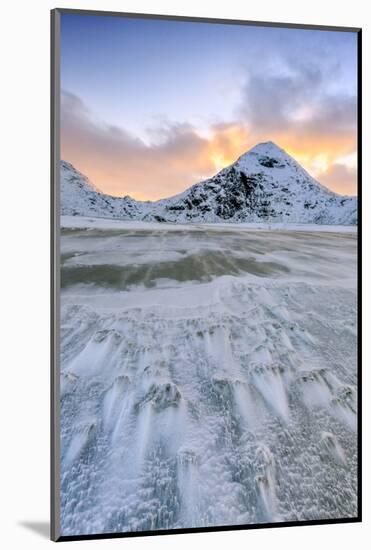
[[205, 344]]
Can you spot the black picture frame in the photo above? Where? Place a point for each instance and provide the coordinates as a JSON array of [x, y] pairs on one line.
[[55, 273]]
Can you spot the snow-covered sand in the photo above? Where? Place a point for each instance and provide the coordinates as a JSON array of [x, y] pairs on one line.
[[208, 374], [82, 222]]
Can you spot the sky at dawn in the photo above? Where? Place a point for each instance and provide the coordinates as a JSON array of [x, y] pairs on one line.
[[150, 107]]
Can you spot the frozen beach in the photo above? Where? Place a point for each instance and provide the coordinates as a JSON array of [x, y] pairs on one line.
[[208, 374]]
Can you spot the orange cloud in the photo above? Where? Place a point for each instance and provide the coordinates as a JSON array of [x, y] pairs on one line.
[[227, 143], [343, 177], [120, 164]]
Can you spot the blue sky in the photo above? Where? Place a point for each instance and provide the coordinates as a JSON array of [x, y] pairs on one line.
[[151, 106]]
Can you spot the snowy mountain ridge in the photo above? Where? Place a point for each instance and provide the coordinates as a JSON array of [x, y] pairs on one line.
[[263, 185]]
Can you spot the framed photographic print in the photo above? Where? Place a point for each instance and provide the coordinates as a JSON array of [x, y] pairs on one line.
[[206, 262]]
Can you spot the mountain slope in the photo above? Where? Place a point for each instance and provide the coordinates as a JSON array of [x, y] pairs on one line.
[[264, 184], [79, 197]]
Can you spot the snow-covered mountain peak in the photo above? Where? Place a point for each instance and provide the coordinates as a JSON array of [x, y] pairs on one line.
[[265, 157], [266, 148], [264, 185]]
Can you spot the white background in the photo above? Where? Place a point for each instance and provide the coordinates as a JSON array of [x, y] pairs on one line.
[[24, 305]]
